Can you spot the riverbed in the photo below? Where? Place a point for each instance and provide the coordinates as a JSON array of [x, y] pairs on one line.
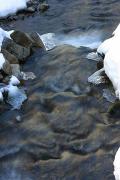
[[66, 130]]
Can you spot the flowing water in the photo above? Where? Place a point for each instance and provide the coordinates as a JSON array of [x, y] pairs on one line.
[[66, 129]]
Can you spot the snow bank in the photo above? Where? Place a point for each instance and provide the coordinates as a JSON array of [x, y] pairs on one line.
[[110, 48], [11, 6], [116, 164]]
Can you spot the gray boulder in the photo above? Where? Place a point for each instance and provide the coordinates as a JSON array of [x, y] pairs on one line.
[[20, 52]]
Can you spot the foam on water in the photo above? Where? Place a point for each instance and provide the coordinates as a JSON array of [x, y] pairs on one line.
[[90, 40]]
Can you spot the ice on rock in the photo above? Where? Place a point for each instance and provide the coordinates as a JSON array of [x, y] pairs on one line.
[[97, 78], [93, 56], [116, 164], [27, 75], [11, 6], [48, 40], [16, 96]]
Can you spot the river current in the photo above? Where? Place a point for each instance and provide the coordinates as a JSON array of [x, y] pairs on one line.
[[68, 130]]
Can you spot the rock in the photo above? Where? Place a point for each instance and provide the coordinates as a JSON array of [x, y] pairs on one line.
[[6, 80], [114, 110], [37, 42], [1, 76], [43, 7], [21, 38], [30, 9], [20, 52], [7, 68], [10, 57], [15, 70]]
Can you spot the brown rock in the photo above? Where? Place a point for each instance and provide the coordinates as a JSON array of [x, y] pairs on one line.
[[7, 68], [21, 38], [37, 42]]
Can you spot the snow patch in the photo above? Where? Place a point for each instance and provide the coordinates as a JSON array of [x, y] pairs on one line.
[[14, 81], [116, 164], [11, 6], [2, 60]]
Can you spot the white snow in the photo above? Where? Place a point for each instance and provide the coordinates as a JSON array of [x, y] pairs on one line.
[[117, 30], [14, 81], [111, 49], [2, 60], [11, 6], [116, 164]]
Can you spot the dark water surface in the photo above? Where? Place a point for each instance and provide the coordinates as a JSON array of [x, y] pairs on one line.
[[68, 131]]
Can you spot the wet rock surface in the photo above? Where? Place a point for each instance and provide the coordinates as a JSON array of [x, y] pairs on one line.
[[66, 129]]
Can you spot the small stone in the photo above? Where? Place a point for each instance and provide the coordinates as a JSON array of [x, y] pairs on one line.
[[18, 118]]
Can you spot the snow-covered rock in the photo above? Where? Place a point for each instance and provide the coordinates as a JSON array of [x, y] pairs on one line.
[[4, 34], [11, 6], [14, 81]]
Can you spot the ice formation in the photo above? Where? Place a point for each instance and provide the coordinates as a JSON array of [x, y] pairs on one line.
[[48, 40], [11, 6]]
